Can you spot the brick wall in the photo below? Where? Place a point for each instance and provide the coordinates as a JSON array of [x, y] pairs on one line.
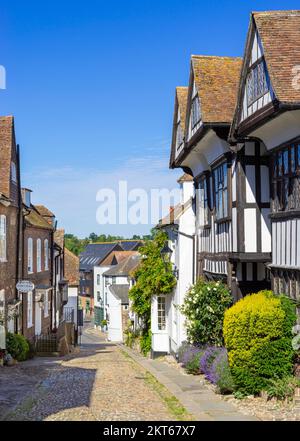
[[38, 278]]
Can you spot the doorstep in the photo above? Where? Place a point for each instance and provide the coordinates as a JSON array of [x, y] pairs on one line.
[[198, 400]]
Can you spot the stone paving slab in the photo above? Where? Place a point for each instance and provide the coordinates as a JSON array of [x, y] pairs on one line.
[[201, 402]]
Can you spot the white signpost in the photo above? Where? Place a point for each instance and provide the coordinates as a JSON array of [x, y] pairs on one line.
[[25, 286]]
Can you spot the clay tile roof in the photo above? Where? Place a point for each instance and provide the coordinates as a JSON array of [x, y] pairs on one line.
[[44, 211], [34, 219], [59, 237], [280, 35], [119, 256], [6, 143], [185, 178], [182, 93], [71, 263], [217, 80], [125, 267]]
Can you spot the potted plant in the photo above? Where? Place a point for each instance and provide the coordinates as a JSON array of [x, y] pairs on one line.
[[104, 325]]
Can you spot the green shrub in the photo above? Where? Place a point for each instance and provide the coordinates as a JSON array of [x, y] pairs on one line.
[[146, 342], [17, 346], [258, 337], [204, 307], [282, 388]]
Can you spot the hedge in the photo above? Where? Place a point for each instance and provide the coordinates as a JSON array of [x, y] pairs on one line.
[[258, 337]]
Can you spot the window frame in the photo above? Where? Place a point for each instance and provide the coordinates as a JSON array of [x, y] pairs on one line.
[[29, 309], [224, 190], [283, 190], [3, 237], [260, 62], [46, 304], [204, 180], [38, 255], [194, 123], [30, 255], [161, 314], [179, 130], [46, 255]]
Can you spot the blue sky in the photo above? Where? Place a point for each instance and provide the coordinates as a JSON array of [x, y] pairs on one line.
[[91, 85]]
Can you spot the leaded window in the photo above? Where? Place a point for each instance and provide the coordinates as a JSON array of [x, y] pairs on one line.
[[257, 83], [286, 179], [204, 213], [195, 111], [220, 178], [179, 136]]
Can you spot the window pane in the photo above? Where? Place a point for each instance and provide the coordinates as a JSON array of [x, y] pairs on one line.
[[279, 161], [293, 159], [161, 313], [285, 162]]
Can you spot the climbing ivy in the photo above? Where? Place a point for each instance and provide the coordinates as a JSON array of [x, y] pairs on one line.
[[153, 277]]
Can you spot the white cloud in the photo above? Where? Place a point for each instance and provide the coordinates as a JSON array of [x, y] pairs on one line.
[[71, 192]]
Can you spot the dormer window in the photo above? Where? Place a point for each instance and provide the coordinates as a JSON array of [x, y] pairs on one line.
[[195, 111], [257, 84]]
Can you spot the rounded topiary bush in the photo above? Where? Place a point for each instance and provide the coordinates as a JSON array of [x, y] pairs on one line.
[[17, 346], [258, 337]]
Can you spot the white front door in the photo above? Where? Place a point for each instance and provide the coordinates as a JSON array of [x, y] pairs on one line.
[[38, 319]]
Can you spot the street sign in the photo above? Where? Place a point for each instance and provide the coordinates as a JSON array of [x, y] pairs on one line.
[[25, 286]]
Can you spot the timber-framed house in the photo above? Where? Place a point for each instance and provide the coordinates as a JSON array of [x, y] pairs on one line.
[[226, 207], [266, 136]]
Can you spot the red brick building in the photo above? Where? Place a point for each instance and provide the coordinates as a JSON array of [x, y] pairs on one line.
[[10, 224]]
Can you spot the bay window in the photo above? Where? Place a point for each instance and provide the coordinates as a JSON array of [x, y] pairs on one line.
[[286, 179]]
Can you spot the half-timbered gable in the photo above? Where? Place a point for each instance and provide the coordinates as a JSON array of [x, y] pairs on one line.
[[271, 125], [178, 138], [207, 156]]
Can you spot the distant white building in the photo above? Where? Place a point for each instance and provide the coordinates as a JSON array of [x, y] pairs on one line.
[[116, 301], [167, 322]]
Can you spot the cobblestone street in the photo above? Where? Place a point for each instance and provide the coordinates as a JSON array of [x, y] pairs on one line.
[[98, 384]]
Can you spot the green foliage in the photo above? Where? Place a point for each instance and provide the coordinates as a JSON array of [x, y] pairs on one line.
[[130, 335], [17, 346], [77, 246], [145, 342], [258, 336], [282, 388], [153, 276], [204, 307]]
